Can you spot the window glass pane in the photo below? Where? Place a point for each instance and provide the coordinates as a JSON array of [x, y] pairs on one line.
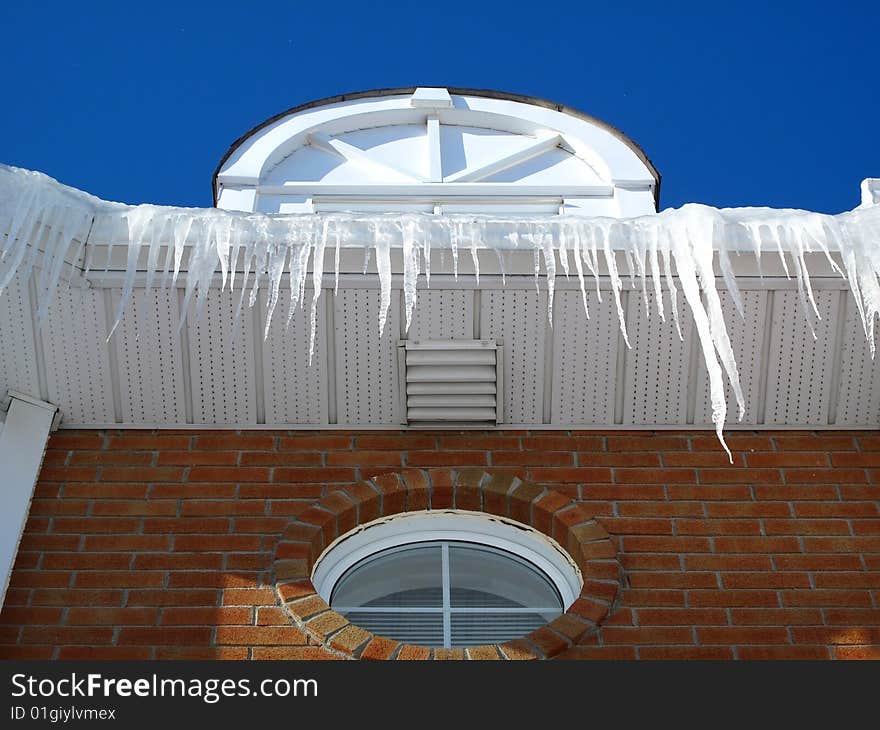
[[413, 627], [481, 576], [402, 577], [472, 629]]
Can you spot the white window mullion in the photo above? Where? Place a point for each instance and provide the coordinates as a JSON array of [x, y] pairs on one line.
[[447, 603]]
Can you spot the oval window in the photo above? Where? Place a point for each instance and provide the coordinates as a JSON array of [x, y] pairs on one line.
[[447, 580]]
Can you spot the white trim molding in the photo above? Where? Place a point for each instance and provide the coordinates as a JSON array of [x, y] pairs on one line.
[[22, 445], [448, 525]]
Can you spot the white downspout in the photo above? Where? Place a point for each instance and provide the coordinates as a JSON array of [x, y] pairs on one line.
[[22, 445]]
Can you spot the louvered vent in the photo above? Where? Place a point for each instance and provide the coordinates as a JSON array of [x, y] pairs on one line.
[[445, 382]]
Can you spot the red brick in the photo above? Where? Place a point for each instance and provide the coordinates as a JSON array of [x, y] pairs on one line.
[[836, 635], [817, 562], [574, 475], [736, 442], [653, 597], [740, 476], [408, 442], [854, 616], [713, 492], [201, 458], [165, 635], [660, 544], [579, 653], [228, 474], [100, 458], [825, 476], [118, 653], [144, 441], [172, 597], [141, 474], [752, 653], [806, 527], [111, 616], [681, 616], [68, 474], [765, 580], [733, 598], [857, 652], [679, 653], [817, 597], [447, 458], [311, 475], [660, 509], [795, 493], [775, 616], [650, 635], [717, 527], [179, 561], [193, 508], [34, 615], [871, 458], [94, 525], [193, 653], [314, 443], [118, 579], [804, 458], [673, 580], [847, 580], [701, 459], [207, 616], [757, 545], [648, 442], [127, 543], [365, 458], [553, 442], [655, 476], [235, 442], [76, 440], [632, 526], [825, 442], [135, 507], [649, 561], [842, 544], [188, 524], [58, 635]]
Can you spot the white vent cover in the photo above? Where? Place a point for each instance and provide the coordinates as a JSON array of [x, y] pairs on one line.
[[446, 382]]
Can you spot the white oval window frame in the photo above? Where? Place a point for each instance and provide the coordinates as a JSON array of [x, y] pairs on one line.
[[448, 525]]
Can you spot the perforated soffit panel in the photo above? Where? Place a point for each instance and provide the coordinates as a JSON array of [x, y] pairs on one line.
[[577, 373]]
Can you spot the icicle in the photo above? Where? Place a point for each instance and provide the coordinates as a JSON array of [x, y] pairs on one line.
[[579, 267], [317, 277], [410, 268], [475, 241], [138, 221], [43, 224], [653, 245], [383, 265], [180, 232], [336, 259], [719, 243], [453, 242], [274, 271], [616, 284]]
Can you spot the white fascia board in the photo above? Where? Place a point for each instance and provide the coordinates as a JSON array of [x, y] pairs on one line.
[[22, 444]]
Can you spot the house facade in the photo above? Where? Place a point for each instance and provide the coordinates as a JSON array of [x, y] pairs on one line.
[[352, 459]]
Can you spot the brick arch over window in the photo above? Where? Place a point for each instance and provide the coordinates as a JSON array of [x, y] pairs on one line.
[[501, 494]]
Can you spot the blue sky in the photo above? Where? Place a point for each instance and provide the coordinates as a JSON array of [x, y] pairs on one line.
[[736, 103]]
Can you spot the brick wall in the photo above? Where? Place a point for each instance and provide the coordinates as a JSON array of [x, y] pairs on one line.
[[159, 544]]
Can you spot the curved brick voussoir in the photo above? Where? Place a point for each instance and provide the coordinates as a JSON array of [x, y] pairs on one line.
[[501, 494]]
